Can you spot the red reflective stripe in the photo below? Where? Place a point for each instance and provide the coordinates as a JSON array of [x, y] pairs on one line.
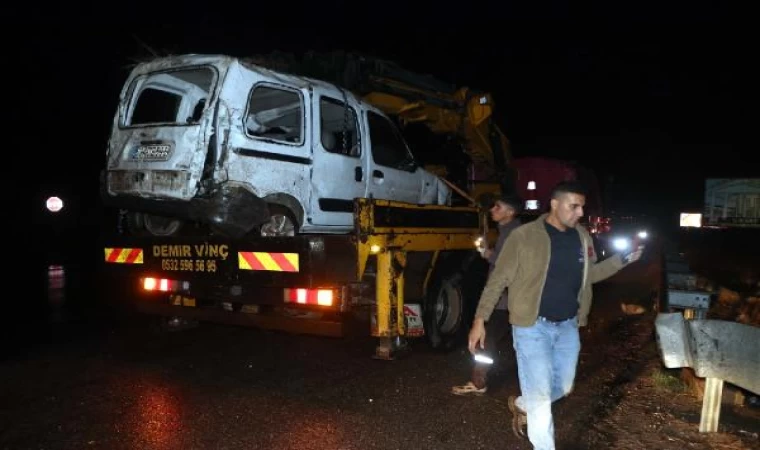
[[115, 252], [283, 262], [133, 254], [252, 261]]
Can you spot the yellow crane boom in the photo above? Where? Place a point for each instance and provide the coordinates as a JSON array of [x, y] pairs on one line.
[[462, 116]]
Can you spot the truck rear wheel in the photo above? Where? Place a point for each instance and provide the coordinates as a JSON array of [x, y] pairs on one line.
[[444, 313], [452, 298]]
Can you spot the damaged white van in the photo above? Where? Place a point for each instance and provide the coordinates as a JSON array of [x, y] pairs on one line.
[[217, 141]]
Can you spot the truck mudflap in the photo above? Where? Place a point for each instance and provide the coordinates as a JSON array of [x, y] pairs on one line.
[[304, 261]]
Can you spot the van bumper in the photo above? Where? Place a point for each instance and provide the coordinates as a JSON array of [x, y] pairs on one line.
[[230, 209]]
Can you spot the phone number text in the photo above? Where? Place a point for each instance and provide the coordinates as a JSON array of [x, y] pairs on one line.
[[189, 265]]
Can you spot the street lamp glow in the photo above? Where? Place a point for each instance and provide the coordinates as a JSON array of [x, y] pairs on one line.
[[54, 204]]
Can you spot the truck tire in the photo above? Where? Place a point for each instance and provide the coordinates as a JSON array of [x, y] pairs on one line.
[[444, 313], [451, 300]]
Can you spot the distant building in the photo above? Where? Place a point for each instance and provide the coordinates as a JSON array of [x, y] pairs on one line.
[[732, 202]]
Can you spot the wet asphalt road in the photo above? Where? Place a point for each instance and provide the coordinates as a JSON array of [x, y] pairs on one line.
[[79, 376]]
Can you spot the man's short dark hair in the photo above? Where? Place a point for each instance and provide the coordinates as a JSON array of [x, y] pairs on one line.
[[569, 187], [511, 200], [488, 200]]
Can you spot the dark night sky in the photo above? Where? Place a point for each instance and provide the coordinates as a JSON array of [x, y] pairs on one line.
[[649, 97]]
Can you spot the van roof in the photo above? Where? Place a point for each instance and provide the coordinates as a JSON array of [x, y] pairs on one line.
[[225, 61]]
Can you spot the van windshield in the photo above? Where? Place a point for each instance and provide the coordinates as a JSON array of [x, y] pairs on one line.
[[175, 97]]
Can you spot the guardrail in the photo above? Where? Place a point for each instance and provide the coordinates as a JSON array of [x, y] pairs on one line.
[[717, 350]]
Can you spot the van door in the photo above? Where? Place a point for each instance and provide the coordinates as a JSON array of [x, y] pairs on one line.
[[340, 169], [394, 173], [272, 151], [159, 147]]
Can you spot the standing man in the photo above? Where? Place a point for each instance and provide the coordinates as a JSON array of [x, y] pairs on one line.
[[549, 266], [504, 211]]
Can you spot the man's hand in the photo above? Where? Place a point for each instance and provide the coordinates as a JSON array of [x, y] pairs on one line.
[[477, 335], [487, 253]]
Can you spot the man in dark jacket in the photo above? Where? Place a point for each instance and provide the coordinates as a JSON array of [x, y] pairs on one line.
[[504, 211]]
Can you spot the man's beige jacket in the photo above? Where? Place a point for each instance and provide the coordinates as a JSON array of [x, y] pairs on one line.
[[522, 266]]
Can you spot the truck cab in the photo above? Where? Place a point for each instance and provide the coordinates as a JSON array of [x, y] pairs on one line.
[[224, 144]]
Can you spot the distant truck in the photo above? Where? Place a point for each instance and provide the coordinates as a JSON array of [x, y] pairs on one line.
[[536, 176]]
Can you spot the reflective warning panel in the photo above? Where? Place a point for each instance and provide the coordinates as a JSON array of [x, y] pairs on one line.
[[124, 255], [276, 262]]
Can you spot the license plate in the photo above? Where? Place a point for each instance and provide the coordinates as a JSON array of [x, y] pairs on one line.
[[152, 152]]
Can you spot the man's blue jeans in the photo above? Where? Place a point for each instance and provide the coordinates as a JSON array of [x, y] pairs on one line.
[[547, 357]]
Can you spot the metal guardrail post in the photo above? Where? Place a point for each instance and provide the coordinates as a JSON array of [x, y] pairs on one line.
[[708, 422]]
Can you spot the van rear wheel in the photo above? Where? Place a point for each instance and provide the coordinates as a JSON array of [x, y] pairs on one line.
[[281, 223], [142, 224], [161, 226]]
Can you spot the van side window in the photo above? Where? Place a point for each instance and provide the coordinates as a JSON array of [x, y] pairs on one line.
[[388, 147], [338, 127], [275, 114]]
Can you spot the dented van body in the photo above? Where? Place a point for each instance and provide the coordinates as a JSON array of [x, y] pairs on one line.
[[216, 140]]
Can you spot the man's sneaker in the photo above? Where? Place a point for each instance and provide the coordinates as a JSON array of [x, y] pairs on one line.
[[469, 389], [519, 418]]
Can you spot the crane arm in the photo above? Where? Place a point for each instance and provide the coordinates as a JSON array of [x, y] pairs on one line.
[[412, 98]]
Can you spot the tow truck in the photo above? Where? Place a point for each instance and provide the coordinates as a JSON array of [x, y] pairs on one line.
[[415, 265]]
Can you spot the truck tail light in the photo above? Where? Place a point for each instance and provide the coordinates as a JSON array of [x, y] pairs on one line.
[[164, 285], [321, 297]]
